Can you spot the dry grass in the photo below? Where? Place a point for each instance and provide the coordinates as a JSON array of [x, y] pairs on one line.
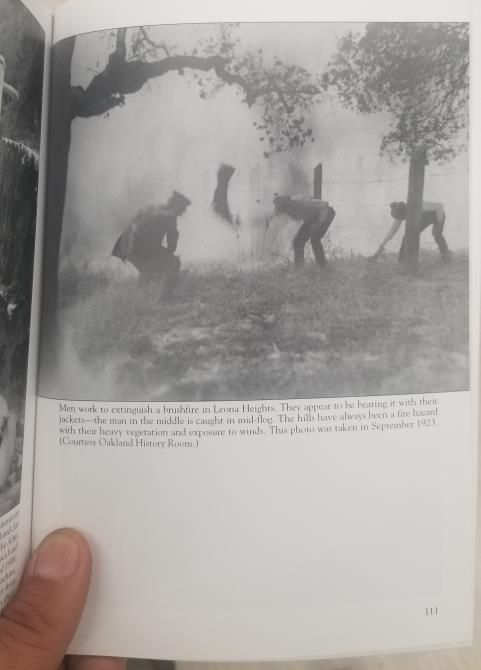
[[357, 328]]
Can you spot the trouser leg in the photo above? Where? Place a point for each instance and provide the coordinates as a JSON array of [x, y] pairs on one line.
[[318, 230], [318, 250], [170, 277], [440, 239], [144, 279], [300, 241], [402, 250]]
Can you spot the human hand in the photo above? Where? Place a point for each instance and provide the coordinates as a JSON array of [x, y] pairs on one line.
[[38, 624]]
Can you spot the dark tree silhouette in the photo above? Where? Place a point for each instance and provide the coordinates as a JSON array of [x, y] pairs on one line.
[[419, 73], [284, 93]]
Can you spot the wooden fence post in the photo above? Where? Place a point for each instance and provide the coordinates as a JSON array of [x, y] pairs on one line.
[[318, 181]]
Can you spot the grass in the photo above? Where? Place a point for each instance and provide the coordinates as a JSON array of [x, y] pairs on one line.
[[356, 328]]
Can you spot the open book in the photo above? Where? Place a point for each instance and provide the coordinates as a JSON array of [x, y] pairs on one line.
[[253, 327]]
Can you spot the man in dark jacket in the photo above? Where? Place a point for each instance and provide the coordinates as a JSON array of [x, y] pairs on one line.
[[143, 242]]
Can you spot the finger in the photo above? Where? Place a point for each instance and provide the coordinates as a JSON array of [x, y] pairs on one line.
[[37, 625], [95, 663]]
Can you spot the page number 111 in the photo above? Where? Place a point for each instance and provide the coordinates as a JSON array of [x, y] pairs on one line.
[[432, 611]]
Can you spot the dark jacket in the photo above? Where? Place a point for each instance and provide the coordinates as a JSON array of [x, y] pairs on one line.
[[143, 242]]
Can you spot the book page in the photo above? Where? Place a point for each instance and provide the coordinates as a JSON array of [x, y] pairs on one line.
[[25, 36], [258, 395]]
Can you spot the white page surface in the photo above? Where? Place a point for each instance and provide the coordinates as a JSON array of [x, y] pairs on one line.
[[280, 548], [79, 16], [42, 12], [289, 548]]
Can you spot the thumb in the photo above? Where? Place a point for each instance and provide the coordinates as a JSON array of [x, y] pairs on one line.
[[37, 625]]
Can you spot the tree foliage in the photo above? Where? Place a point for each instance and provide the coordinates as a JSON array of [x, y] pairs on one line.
[[285, 93], [419, 73]]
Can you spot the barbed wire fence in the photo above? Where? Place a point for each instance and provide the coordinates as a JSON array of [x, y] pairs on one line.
[[336, 240]]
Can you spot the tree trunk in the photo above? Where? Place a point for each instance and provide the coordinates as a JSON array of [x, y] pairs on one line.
[[414, 214], [61, 115]]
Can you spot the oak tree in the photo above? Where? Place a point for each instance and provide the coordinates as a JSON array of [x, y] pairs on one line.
[[284, 94], [419, 74]]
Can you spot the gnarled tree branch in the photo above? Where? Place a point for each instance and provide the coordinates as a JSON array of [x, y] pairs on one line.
[[108, 89]]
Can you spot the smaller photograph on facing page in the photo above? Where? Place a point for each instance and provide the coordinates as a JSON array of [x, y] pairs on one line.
[[255, 211], [22, 48]]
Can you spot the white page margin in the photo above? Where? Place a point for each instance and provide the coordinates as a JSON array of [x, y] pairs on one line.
[[81, 16], [42, 13]]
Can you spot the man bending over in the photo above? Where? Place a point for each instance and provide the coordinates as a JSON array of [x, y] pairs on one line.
[[433, 215]]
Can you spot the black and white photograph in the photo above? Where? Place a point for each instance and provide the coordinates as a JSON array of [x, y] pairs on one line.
[[22, 49], [258, 211]]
